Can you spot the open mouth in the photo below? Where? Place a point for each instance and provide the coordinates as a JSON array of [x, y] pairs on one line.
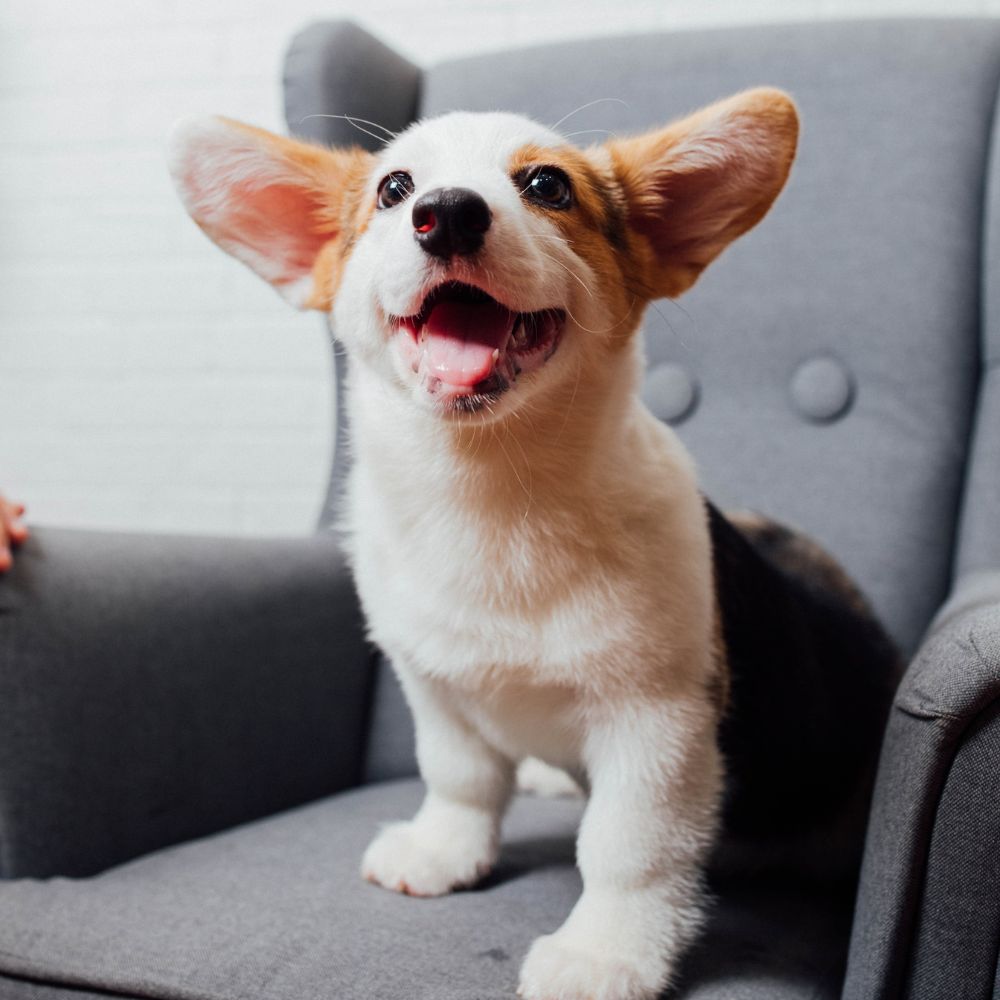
[[466, 344]]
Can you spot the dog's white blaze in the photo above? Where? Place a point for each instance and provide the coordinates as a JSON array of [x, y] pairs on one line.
[[524, 263]]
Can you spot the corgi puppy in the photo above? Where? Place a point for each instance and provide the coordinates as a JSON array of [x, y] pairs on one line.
[[530, 544]]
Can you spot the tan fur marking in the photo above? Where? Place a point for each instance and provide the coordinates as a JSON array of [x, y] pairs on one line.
[[332, 181], [352, 214], [594, 226], [696, 185]]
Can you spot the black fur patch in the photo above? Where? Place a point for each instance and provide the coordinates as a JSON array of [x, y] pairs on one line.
[[812, 675]]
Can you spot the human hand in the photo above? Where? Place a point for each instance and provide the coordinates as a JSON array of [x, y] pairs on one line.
[[13, 530]]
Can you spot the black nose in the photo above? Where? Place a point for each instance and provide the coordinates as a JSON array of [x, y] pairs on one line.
[[450, 221]]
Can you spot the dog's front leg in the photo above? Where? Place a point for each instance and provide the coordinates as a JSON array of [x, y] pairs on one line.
[[453, 840], [655, 776]]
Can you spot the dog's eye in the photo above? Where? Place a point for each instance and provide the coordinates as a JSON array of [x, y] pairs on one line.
[[395, 188], [547, 186]]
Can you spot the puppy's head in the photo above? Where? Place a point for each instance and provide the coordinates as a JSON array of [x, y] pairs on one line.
[[479, 261]]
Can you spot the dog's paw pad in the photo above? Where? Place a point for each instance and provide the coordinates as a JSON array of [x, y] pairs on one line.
[[405, 859], [556, 969]]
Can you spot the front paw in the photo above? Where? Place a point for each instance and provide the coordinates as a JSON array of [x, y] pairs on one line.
[[559, 968], [412, 859]]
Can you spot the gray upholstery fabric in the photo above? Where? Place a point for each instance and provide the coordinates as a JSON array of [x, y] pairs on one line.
[[277, 911], [979, 543], [958, 921], [154, 689], [930, 859], [871, 257], [392, 748], [14, 988], [335, 69], [980, 540]]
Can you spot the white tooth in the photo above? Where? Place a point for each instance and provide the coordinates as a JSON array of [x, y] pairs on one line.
[[496, 353]]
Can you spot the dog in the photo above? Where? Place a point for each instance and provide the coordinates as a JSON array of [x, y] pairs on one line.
[[530, 544]]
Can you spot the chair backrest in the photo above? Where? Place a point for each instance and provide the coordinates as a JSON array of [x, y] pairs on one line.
[[828, 368], [834, 351]]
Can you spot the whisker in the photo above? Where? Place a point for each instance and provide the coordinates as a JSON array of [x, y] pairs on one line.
[[480, 437], [586, 329], [607, 329], [554, 238], [589, 104], [680, 340], [355, 118], [527, 469], [568, 270], [513, 468], [587, 131], [678, 305], [654, 304], [572, 400], [354, 121]]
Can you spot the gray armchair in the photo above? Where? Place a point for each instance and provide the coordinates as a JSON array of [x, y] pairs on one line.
[[196, 743]]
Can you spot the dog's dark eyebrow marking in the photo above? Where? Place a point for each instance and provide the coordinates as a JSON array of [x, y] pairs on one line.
[[613, 225]]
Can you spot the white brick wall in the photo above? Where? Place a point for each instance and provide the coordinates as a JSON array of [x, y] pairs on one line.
[[146, 381]]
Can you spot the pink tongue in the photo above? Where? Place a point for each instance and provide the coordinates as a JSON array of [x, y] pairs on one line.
[[460, 338]]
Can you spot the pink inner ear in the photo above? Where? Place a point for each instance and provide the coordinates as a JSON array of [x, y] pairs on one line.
[[699, 207], [715, 186], [277, 222]]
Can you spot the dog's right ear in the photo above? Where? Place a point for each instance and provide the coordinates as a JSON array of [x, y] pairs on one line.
[[696, 185], [284, 208]]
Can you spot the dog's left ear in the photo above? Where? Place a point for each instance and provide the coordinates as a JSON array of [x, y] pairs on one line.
[[284, 208], [696, 185]]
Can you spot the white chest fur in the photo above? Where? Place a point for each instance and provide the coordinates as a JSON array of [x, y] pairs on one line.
[[568, 577]]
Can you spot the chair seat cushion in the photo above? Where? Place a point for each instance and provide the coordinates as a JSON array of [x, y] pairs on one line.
[[276, 910]]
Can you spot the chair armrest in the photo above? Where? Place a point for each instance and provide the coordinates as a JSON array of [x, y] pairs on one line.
[[155, 689], [927, 920]]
